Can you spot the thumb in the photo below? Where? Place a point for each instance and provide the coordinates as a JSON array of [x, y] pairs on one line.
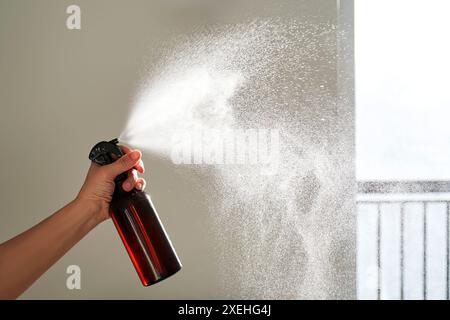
[[124, 163]]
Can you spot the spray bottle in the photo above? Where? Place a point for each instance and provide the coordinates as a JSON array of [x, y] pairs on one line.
[[138, 224]]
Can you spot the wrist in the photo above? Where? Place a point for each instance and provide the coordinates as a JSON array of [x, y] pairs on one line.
[[91, 209]]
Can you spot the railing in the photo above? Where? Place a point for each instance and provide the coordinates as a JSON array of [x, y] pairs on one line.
[[403, 240]]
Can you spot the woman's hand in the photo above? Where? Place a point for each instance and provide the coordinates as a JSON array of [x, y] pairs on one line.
[[24, 258], [97, 190]]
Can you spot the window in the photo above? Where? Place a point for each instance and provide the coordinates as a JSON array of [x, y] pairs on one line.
[[402, 71], [402, 66]]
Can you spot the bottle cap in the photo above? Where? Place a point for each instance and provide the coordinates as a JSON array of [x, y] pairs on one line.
[[105, 152]]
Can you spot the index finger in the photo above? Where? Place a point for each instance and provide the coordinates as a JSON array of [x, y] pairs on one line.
[[125, 149], [140, 165]]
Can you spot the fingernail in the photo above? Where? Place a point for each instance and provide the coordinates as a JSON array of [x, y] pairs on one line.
[[135, 155], [139, 186], [127, 185]]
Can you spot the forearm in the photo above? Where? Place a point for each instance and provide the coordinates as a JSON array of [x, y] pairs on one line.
[[24, 258]]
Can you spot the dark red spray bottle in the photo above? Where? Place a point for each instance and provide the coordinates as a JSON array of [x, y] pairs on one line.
[[138, 224]]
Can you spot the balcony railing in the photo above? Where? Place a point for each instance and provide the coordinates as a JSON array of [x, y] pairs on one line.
[[403, 240]]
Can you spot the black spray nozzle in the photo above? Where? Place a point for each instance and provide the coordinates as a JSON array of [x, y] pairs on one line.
[[105, 152]]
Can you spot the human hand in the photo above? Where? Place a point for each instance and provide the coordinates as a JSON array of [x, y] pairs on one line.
[[98, 188]]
